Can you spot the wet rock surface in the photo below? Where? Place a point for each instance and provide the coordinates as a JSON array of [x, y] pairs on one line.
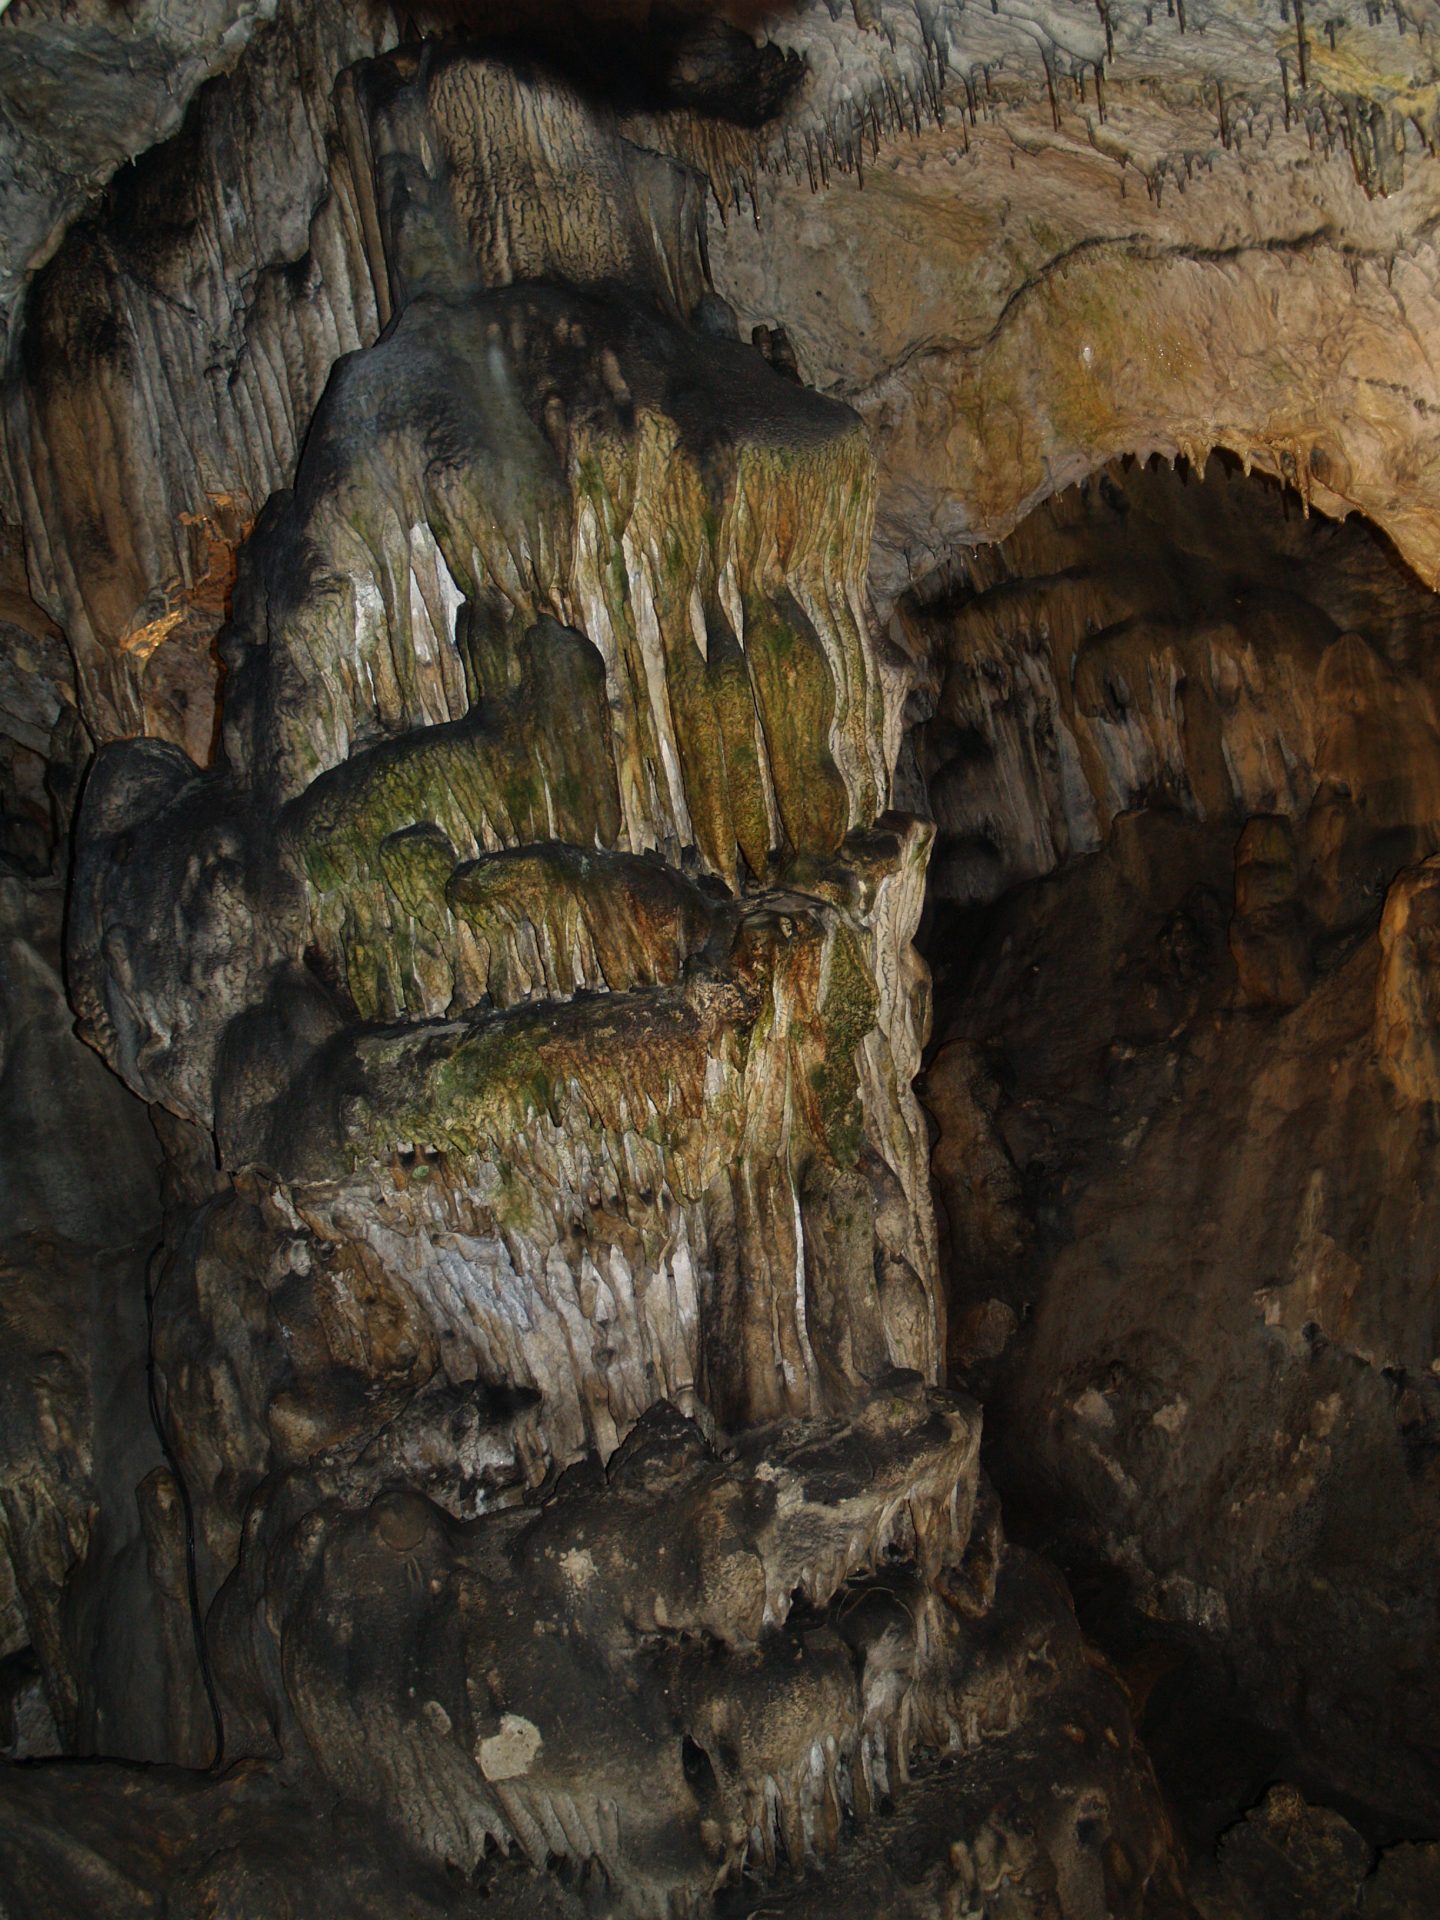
[[497, 670], [544, 1336]]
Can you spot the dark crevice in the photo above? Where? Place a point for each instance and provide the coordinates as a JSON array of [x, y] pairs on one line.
[[153, 1275]]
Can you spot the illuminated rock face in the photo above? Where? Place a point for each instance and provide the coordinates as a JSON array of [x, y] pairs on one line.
[[555, 738], [554, 1368], [523, 710]]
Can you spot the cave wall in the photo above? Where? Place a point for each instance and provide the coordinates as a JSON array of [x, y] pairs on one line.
[[492, 513], [516, 958], [1181, 1082]]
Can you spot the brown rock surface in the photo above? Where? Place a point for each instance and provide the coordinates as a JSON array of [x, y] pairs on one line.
[[497, 1403], [548, 1369], [1185, 1102]]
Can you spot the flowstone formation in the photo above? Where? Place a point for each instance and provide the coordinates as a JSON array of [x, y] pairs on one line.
[[548, 1367], [554, 560]]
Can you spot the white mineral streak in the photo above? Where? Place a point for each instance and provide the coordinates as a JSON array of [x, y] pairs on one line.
[[647, 633]]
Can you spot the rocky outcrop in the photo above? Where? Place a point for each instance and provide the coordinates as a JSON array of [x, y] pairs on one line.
[[1193, 645], [173, 349], [1172, 239], [1144, 238], [1288, 1856], [666, 1723], [669, 1811], [88, 1519], [548, 642]]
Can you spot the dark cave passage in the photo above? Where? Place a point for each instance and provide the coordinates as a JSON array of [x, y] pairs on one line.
[[1183, 760]]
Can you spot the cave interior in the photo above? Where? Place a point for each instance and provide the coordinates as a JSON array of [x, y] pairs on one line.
[[719, 960]]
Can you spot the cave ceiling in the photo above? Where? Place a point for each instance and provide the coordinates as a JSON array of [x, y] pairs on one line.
[[1018, 239]]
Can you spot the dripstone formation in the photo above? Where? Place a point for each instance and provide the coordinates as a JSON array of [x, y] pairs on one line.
[[520, 648], [552, 1366]]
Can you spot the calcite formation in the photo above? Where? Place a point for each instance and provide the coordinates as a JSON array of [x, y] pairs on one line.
[[553, 561], [550, 1369]]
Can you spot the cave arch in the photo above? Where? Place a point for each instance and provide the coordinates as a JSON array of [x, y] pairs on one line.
[[1181, 1085]]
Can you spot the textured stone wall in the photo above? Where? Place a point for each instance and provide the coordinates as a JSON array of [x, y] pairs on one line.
[[481, 1382]]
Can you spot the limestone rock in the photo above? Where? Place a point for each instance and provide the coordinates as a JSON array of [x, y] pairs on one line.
[[549, 1369], [1222, 1374], [532, 628], [1405, 1007], [1291, 1857], [89, 1530]]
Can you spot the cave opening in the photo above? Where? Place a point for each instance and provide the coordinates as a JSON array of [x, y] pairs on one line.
[[1179, 742]]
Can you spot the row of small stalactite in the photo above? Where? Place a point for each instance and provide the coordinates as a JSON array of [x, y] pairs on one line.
[[1371, 132]]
